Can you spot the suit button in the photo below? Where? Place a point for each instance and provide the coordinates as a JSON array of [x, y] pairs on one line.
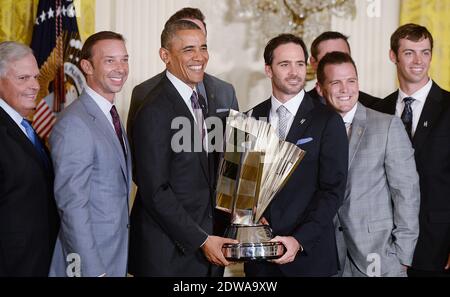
[[128, 226], [340, 228]]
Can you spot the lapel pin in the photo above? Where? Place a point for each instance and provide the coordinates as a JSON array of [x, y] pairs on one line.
[[302, 121], [360, 131], [425, 124]]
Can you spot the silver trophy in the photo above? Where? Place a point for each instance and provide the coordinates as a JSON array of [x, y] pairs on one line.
[[254, 167]]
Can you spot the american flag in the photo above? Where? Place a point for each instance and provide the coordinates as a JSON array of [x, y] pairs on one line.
[[57, 46]]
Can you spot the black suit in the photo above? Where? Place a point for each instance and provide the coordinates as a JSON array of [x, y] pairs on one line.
[[28, 218], [431, 143], [220, 96], [307, 204], [172, 214], [366, 99]]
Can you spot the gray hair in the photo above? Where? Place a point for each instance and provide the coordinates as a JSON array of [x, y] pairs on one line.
[[11, 51]]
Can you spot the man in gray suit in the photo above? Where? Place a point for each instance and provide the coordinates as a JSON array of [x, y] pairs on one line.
[[92, 164], [377, 225], [211, 88]]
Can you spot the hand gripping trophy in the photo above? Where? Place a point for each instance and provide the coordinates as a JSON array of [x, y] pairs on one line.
[[255, 165]]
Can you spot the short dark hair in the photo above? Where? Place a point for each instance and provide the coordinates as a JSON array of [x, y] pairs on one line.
[[86, 51], [328, 35], [187, 13], [411, 32], [172, 28], [333, 58], [280, 40]]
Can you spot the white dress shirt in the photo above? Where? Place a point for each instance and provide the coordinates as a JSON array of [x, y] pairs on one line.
[[17, 118], [292, 105], [104, 104], [185, 92], [417, 105]]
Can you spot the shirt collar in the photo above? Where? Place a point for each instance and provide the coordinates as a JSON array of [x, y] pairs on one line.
[[292, 105], [420, 95], [183, 89], [104, 104], [17, 118], [348, 118]]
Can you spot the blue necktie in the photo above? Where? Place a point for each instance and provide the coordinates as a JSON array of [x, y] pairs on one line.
[[32, 136], [407, 115]]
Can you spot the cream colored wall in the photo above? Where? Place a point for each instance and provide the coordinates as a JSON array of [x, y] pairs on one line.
[[141, 22]]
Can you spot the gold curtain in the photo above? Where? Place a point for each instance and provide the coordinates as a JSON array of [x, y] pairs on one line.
[[17, 19], [433, 14]]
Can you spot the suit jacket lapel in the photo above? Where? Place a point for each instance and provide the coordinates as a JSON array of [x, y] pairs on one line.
[[129, 160], [14, 131], [213, 159], [210, 95], [357, 132], [182, 110], [302, 120], [103, 124], [430, 114]]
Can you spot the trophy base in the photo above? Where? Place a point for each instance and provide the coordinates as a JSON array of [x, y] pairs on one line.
[[260, 251], [254, 243]]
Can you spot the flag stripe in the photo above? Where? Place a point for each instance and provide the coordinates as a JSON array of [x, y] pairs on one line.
[[42, 124]]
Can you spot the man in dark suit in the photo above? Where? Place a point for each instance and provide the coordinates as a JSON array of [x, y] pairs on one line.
[[171, 221], [28, 219], [425, 111], [219, 94], [332, 41], [211, 88], [301, 214]]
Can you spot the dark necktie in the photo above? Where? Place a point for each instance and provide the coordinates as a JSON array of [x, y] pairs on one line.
[[34, 138], [407, 115], [198, 112], [118, 128]]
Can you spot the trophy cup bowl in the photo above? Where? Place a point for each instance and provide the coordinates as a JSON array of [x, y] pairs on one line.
[[254, 167]]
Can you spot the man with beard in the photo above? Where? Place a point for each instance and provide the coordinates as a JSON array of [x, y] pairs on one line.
[[301, 214]]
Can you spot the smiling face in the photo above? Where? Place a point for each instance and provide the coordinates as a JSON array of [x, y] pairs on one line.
[[413, 61], [340, 87], [287, 71], [19, 86], [187, 56], [107, 69]]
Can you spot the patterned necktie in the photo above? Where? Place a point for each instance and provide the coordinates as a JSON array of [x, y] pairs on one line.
[[198, 112], [32, 136], [407, 115], [348, 127], [283, 118], [118, 128]]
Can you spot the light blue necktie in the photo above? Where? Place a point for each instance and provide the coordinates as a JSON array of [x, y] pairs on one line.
[[32, 136]]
